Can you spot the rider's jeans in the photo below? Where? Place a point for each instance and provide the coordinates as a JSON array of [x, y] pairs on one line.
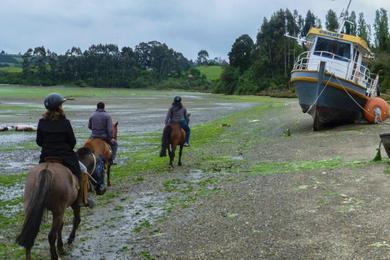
[[184, 125]]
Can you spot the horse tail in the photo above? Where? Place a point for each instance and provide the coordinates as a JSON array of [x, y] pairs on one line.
[[165, 140], [34, 210]]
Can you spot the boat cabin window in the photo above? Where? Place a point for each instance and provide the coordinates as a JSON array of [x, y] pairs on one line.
[[333, 49]]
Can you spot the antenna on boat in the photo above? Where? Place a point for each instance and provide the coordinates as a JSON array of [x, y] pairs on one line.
[[343, 18]]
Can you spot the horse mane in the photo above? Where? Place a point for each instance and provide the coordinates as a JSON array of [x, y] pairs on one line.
[[83, 151], [35, 209]]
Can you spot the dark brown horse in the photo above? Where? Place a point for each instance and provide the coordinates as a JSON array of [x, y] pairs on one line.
[[49, 186], [173, 136], [102, 149]]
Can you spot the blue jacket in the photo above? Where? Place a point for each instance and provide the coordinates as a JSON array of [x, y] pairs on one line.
[[101, 124]]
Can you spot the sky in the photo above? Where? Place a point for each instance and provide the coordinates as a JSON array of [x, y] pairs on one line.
[[187, 26]]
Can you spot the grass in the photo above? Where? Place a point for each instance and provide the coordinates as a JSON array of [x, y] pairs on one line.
[[11, 69], [266, 168], [34, 92], [211, 72]]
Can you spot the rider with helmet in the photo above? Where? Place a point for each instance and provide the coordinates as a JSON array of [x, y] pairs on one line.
[[56, 137], [100, 123], [177, 113]]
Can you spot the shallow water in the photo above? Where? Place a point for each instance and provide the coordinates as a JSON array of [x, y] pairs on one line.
[[136, 115], [125, 217]]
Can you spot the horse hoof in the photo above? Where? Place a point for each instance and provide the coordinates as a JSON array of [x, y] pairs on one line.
[[179, 164], [70, 240]]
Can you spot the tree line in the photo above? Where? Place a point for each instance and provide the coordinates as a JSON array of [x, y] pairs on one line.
[[265, 64], [104, 65]]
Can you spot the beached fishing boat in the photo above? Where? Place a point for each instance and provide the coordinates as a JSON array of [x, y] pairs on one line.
[[332, 80]]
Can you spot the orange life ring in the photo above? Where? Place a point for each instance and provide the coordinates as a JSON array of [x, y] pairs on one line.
[[375, 103]]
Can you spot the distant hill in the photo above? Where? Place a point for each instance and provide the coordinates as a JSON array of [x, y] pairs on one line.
[[10, 60], [212, 72]]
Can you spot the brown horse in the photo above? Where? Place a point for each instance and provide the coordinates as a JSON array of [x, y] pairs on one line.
[[101, 148], [173, 136], [49, 186]]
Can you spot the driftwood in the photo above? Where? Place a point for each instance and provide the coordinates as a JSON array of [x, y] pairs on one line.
[[25, 128]]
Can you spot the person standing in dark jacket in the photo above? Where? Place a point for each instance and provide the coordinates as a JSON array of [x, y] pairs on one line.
[[55, 134], [177, 113], [100, 123]]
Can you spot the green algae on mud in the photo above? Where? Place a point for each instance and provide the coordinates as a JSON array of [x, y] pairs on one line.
[[143, 159], [266, 168]]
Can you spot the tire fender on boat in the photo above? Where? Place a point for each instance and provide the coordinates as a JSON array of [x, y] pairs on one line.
[[374, 104]]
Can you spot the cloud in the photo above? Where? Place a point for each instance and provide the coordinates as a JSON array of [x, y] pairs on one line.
[[187, 26]]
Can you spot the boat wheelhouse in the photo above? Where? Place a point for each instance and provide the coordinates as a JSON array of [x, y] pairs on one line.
[[332, 79]]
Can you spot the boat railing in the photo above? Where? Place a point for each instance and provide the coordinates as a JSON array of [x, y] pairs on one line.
[[340, 66]]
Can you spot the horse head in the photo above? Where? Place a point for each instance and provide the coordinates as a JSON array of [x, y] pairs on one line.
[[87, 158]]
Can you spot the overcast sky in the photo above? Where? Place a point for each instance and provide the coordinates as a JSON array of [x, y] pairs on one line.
[[184, 25]]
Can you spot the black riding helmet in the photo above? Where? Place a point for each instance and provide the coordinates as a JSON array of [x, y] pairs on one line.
[[53, 101], [177, 99]]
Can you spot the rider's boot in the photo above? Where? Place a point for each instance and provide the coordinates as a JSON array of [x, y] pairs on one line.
[[84, 198]]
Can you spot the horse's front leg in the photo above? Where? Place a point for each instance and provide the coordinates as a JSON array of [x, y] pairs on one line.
[[171, 154], [28, 253], [180, 152], [76, 221], [108, 167]]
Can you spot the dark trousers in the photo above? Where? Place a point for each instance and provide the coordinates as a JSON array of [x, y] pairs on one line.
[[69, 160], [184, 125]]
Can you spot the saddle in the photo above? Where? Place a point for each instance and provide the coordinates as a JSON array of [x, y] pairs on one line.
[[81, 184], [55, 159], [107, 155]]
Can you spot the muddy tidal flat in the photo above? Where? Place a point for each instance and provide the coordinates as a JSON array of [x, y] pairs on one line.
[[257, 182]]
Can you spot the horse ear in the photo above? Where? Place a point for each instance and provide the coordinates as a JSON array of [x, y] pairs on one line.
[[116, 124]]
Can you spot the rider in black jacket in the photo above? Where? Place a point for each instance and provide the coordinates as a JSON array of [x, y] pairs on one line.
[[55, 134]]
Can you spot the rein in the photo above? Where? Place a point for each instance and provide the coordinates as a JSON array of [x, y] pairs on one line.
[[93, 169]]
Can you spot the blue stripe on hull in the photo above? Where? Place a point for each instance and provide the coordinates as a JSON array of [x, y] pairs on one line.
[[334, 106]]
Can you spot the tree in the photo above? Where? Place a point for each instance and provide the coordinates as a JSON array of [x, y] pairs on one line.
[[331, 22], [241, 52], [203, 56], [363, 28], [26, 64], [381, 27], [310, 21], [350, 26]]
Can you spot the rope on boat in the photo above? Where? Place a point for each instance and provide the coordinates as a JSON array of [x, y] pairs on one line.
[[353, 99], [315, 101], [379, 121]]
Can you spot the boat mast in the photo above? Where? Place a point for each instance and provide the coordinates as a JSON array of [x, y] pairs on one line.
[[343, 18]]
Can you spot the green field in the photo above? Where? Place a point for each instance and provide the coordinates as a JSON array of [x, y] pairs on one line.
[[211, 72], [11, 69]]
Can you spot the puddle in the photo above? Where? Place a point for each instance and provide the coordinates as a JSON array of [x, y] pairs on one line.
[[18, 160], [9, 193], [11, 210], [11, 138], [119, 230], [196, 175], [237, 158]]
